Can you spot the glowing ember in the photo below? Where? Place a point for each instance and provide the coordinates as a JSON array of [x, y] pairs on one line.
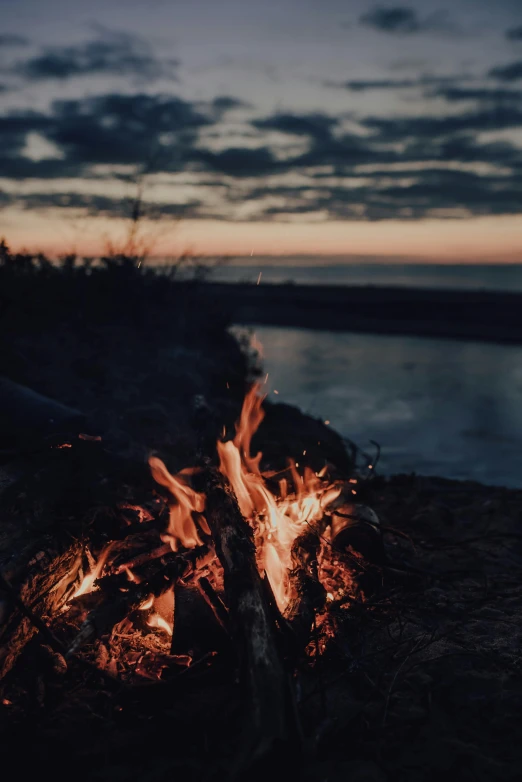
[[155, 620], [87, 584]]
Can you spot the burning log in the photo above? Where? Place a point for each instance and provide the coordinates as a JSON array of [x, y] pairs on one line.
[[114, 608], [214, 601], [268, 692], [121, 598], [201, 622], [310, 594], [45, 529]]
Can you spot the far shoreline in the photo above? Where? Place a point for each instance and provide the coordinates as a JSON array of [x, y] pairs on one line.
[[476, 315]]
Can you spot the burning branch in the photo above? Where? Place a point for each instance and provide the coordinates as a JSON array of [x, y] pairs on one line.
[[272, 719]]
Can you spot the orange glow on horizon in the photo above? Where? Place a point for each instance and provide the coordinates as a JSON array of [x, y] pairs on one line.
[[480, 239]]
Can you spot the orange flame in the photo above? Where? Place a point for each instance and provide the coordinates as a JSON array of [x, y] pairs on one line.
[[276, 521], [87, 584], [155, 620], [164, 609], [184, 506]]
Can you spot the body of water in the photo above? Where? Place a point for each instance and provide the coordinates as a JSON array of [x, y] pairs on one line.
[[462, 277], [436, 407]]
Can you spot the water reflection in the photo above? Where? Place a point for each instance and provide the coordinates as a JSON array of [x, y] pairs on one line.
[[436, 407]]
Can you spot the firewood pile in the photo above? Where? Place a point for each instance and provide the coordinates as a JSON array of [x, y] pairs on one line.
[[220, 562], [241, 617]]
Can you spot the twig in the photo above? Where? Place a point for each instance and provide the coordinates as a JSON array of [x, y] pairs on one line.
[[40, 625]]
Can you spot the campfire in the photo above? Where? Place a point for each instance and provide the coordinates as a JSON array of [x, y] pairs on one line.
[[222, 559]]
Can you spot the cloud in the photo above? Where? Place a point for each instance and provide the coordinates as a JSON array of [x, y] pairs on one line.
[[313, 125], [403, 20], [12, 39], [397, 19], [510, 72], [153, 131], [421, 194], [98, 205], [500, 117], [480, 94], [227, 103], [238, 161], [395, 167], [112, 53], [364, 85], [15, 126], [514, 34], [124, 129]]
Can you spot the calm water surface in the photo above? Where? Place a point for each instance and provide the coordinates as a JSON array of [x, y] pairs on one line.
[[436, 407], [457, 276]]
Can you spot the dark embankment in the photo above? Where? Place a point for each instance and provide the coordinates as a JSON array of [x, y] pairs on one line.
[[475, 315], [126, 352]]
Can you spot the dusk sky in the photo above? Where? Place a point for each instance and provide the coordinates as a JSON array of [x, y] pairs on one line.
[[343, 127]]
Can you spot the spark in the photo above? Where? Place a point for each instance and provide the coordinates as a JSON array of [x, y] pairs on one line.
[[259, 278]]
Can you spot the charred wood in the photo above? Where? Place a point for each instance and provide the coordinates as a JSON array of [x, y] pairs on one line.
[[117, 604], [310, 595], [268, 698], [40, 580]]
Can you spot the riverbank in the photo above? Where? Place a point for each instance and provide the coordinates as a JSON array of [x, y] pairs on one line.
[[489, 316]]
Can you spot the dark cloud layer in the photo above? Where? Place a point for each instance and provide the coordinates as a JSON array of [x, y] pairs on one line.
[[434, 191], [510, 72], [115, 54], [97, 205], [404, 167], [500, 117], [237, 161], [403, 20], [514, 34], [122, 128], [313, 125], [365, 85], [225, 103], [156, 132], [478, 94], [397, 19]]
